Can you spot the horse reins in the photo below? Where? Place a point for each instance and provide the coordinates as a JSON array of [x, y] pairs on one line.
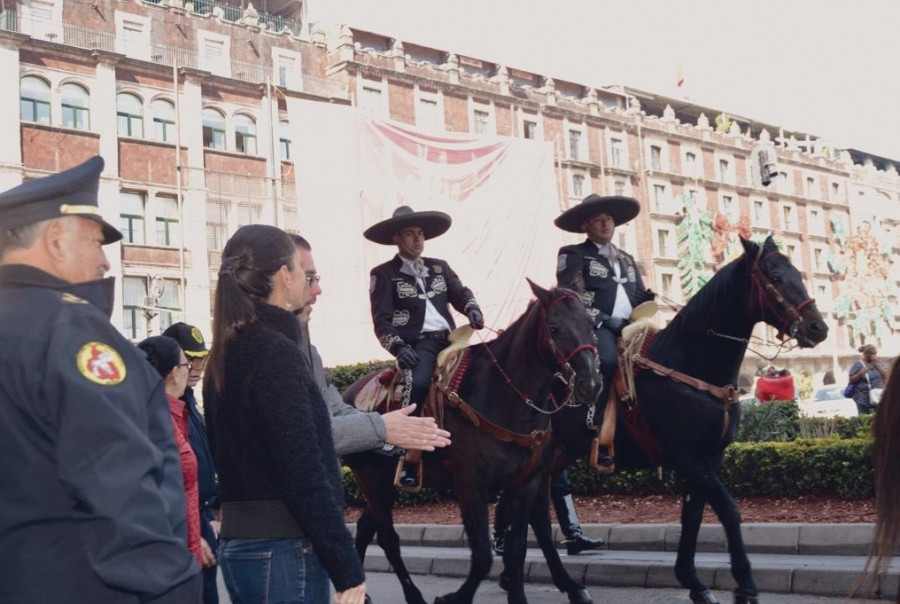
[[767, 296]]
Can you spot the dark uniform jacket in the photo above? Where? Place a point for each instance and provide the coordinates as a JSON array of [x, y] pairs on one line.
[[582, 268], [92, 506], [398, 304]]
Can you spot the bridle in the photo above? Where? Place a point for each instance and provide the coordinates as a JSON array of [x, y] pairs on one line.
[[547, 347], [765, 296]]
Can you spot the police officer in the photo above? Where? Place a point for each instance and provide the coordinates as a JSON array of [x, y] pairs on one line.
[[411, 298], [93, 507], [191, 340]]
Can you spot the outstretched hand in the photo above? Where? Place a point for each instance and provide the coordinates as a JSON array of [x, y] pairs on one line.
[[476, 319], [410, 432]]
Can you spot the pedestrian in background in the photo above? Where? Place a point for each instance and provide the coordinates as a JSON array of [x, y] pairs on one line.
[[283, 531], [191, 340], [868, 374], [93, 506], [166, 356]]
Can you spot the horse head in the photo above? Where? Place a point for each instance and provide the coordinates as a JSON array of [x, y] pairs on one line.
[[779, 296], [570, 344]]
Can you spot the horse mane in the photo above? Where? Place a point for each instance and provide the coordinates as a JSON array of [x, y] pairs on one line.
[[716, 289]]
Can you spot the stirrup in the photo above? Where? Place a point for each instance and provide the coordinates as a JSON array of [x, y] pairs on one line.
[[410, 489]]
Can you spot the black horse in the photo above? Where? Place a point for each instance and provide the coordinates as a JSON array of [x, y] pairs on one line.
[[500, 432], [692, 426]]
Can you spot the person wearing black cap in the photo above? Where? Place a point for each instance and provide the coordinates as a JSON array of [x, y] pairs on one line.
[[192, 343], [610, 286], [411, 298], [94, 508]]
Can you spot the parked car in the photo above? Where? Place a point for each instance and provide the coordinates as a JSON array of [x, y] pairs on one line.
[[828, 401]]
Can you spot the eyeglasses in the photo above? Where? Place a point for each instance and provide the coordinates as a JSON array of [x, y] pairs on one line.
[[198, 362], [310, 279], [188, 365]]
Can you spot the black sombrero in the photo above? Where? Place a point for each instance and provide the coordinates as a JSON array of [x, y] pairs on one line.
[[622, 209], [433, 224]]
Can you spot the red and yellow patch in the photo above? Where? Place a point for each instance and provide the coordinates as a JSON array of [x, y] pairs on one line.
[[101, 364]]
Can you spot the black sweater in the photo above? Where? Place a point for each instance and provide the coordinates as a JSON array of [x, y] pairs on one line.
[[270, 434]]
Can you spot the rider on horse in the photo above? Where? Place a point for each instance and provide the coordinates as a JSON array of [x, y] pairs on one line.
[[411, 298]]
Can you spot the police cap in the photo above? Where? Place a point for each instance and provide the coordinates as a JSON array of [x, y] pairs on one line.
[[189, 338], [72, 192]]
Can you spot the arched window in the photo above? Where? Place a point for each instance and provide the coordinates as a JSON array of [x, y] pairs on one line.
[[75, 107], [34, 100], [130, 115], [163, 120], [284, 140], [213, 129], [245, 134]]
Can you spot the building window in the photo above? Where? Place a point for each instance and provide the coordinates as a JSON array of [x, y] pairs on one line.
[[169, 303], [759, 209], [130, 115], [616, 152], [131, 217], [655, 157], [726, 207], [75, 103], [835, 191], [213, 55], [817, 259], [133, 38], [245, 134], [577, 185], [370, 102], [666, 285], [811, 187], [34, 100], [286, 75], [134, 298], [724, 170], [43, 25], [213, 129], [163, 120], [690, 163], [619, 187], [662, 241], [482, 120], [788, 214], [284, 140], [659, 198], [574, 144], [529, 129], [791, 250], [168, 233], [428, 114]]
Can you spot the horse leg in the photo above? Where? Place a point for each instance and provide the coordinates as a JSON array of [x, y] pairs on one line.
[[515, 510], [474, 511], [543, 531], [365, 531], [380, 494], [729, 515], [692, 504]]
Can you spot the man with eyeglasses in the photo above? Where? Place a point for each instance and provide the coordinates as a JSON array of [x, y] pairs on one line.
[[354, 430], [192, 343]]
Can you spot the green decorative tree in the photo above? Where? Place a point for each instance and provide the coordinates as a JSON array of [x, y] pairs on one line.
[[693, 237]]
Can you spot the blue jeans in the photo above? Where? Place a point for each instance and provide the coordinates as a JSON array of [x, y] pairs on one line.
[[273, 571]]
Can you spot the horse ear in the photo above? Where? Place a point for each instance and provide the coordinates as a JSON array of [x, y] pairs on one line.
[[769, 245], [539, 292], [750, 248]]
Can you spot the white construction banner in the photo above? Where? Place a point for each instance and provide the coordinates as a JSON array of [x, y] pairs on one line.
[[353, 172]]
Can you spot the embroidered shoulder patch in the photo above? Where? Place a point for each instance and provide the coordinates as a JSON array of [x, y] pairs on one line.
[[101, 364]]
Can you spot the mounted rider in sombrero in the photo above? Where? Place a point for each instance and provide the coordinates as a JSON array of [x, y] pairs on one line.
[[607, 277], [411, 298]]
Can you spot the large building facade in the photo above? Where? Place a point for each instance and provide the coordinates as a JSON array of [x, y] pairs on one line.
[[200, 143]]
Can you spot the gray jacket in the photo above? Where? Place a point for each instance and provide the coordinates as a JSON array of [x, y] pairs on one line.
[[353, 430]]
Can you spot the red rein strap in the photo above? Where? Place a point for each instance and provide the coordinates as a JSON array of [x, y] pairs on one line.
[[768, 296]]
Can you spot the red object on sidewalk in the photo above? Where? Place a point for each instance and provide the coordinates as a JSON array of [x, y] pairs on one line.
[[775, 388]]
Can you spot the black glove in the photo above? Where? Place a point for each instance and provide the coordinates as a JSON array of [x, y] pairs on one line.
[[407, 357], [615, 325], [476, 319], [641, 296]]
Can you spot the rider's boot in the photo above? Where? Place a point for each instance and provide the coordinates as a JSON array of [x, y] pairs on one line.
[[575, 541]]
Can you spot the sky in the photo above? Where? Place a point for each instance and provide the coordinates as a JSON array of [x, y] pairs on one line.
[[829, 68]]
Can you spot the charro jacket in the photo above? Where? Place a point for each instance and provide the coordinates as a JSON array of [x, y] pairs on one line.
[[582, 268], [398, 304]]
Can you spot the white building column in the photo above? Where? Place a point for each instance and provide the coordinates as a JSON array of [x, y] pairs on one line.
[[10, 128]]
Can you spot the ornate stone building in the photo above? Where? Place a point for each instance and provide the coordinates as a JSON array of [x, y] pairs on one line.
[[179, 187]]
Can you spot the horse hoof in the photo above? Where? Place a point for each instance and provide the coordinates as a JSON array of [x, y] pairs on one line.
[[503, 582], [704, 597], [580, 596], [744, 599]]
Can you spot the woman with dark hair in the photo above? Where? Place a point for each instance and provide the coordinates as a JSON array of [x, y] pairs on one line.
[[885, 455], [868, 373], [283, 531], [169, 360]]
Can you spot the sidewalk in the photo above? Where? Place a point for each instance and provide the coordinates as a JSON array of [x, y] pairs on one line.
[[806, 559]]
